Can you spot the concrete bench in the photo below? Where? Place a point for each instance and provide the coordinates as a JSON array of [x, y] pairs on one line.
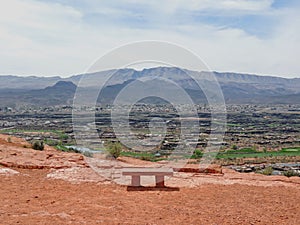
[[136, 174]]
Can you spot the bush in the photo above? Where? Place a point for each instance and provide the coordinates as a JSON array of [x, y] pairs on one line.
[[267, 171], [9, 140], [234, 147], [291, 173], [147, 158], [38, 145], [114, 149], [198, 154]]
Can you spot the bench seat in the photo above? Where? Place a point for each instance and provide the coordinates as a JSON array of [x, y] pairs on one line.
[[137, 172]]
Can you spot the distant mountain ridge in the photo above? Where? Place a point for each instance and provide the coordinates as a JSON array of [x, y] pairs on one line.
[[27, 83], [237, 88], [122, 75], [61, 93]]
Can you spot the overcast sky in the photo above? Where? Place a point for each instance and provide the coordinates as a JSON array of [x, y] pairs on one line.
[[64, 37]]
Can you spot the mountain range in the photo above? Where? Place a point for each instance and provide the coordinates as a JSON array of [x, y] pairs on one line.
[[237, 88]]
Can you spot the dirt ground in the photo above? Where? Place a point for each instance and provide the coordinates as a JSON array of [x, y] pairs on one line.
[[72, 193], [30, 198]]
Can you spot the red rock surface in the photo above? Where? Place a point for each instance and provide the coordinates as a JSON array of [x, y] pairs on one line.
[[30, 198], [194, 168], [17, 153], [64, 190]]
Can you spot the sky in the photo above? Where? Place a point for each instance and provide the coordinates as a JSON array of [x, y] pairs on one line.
[[65, 37]]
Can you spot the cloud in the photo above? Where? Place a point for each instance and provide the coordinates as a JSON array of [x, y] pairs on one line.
[[199, 5], [60, 37]]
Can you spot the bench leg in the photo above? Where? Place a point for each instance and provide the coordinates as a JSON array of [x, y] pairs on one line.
[[136, 181], [160, 181]]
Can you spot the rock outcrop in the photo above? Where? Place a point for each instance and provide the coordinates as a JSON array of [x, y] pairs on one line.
[[17, 153]]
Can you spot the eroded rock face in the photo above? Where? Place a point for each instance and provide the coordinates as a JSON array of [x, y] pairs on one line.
[[8, 171], [16, 153], [75, 168], [206, 169]]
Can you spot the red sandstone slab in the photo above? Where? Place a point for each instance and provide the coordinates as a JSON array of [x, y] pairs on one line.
[[142, 171]]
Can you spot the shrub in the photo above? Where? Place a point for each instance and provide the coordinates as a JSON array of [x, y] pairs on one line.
[[198, 154], [9, 140], [267, 171], [38, 145], [147, 158], [65, 149], [63, 136], [114, 149], [234, 147], [290, 173]]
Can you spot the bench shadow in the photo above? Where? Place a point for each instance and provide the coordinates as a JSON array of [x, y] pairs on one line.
[[142, 188]]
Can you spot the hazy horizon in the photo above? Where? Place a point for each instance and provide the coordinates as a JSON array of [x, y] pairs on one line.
[[140, 69]]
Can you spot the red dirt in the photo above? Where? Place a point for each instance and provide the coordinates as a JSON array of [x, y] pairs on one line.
[[18, 153], [30, 197]]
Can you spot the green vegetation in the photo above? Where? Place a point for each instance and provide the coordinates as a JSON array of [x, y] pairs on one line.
[[64, 149], [114, 149], [229, 154], [291, 173], [197, 154], [242, 150], [38, 145], [234, 147], [143, 156], [252, 153], [267, 171], [58, 144], [61, 135]]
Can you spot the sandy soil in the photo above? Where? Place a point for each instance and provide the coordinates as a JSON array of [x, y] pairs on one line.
[[70, 192]]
